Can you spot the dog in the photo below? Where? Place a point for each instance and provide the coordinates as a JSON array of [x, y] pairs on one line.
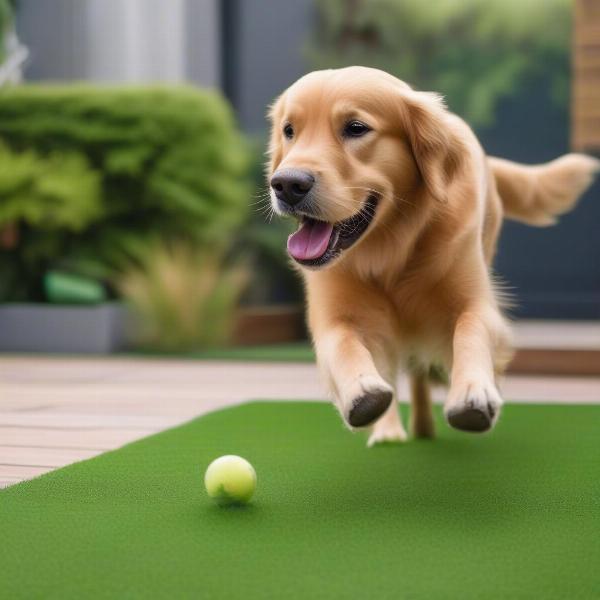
[[399, 212]]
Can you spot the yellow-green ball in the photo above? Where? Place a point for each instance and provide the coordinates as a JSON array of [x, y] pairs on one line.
[[230, 479]]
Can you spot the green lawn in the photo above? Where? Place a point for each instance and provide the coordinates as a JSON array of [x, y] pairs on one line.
[[515, 514]]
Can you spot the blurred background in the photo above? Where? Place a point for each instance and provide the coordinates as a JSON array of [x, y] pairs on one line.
[[133, 211]]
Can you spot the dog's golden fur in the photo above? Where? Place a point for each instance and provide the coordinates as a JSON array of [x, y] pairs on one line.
[[416, 287]]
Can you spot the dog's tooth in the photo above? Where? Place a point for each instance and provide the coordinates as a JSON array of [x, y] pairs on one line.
[[336, 237]]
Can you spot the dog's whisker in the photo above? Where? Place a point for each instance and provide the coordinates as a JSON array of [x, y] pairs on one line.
[[260, 203], [261, 194]]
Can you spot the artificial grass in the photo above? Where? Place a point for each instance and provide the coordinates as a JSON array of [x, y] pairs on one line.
[[514, 514]]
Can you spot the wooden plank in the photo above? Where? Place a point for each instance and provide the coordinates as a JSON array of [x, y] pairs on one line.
[[58, 420], [586, 74], [582, 138], [103, 439], [43, 457], [587, 35], [587, 58], [588, 114], [584, 92], [589, 126], [58, 368], [585, 130], [589, 81], [174, 405], [589, 133], [586, 8], [583, 144], [8, 472], [542, 361], [585, 103]]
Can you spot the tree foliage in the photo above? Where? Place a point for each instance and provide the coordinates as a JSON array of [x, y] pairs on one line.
[[475, 52]]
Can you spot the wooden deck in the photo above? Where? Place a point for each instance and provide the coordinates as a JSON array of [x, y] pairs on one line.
[[55, 411], [557, 348]]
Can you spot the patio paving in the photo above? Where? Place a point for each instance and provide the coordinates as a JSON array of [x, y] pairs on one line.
[[55, 411]]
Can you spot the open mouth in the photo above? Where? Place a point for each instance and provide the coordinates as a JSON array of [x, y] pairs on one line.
[[316, 243]]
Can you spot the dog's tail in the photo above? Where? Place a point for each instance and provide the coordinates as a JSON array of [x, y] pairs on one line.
[[538, 194]]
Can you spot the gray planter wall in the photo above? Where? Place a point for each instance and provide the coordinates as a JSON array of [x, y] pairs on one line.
[[70, 329]]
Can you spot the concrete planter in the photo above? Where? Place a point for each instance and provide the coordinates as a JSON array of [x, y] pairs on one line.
[[91, 329]]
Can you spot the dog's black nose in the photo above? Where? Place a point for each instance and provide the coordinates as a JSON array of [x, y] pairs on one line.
[[291, 185]]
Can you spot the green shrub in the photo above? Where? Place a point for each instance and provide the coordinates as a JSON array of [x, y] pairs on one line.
[[475, 52], [47, 198], [169, 161], [56, 192], [6, 17]]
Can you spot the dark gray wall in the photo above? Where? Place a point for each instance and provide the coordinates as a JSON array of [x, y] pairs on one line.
[[554, 272], [268, 56]]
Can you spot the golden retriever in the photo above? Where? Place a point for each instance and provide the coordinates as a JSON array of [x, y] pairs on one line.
[[399, 211]]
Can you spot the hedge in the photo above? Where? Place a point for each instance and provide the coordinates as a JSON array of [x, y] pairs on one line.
[[169, 162], [6, 18]]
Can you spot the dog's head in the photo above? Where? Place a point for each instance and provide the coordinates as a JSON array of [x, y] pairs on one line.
[[347, 147]]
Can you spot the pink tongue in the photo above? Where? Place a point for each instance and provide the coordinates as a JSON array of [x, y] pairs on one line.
[[310, 241]]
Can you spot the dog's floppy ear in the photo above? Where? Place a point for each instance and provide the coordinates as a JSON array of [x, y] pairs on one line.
[[436, 148]]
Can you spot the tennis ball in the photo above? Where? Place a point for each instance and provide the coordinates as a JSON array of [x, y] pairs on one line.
[[230, 479]]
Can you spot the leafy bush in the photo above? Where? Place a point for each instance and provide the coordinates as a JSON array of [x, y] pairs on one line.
[[169, 164], [59, 191], [475, 52], [184, 296], [49, 195]]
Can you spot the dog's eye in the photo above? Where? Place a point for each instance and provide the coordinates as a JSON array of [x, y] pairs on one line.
[[288, 131], [355, 129]]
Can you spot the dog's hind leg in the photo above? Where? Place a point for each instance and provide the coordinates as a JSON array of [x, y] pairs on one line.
[[421, 414]]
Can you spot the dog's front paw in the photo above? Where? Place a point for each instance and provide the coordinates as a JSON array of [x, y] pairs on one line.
[[368, 401], [473, 406]]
